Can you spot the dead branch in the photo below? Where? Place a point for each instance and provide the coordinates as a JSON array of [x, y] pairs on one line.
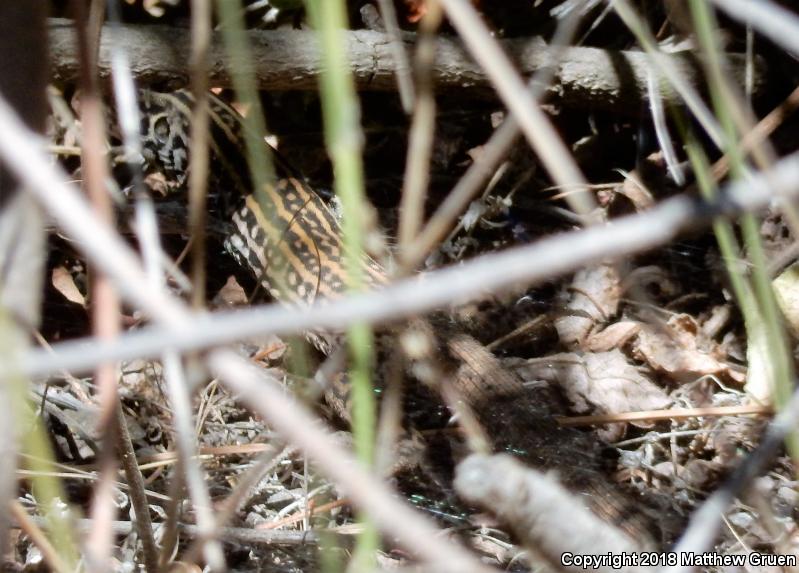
[[288, 60], [547, 518]]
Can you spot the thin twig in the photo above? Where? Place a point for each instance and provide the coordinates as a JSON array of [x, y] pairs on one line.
[[302, 514], [70, 472], [485, 164], [420, 138], [536, 127], [105, 307], [673, 414], [198, 152], [138, 497], [402, 67], [37, 537]]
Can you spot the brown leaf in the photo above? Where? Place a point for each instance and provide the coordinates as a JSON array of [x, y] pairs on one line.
[[636, 192], [230, 295], [593, 298], [416, 9], [614, 336], [674, 349], [64, 283], [598, 383]]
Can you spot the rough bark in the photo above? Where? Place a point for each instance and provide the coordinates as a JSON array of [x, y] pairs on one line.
[[287, 60]]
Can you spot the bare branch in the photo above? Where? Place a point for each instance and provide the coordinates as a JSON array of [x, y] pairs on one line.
[[533, 504]]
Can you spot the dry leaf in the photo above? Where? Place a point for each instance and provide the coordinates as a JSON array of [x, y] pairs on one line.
[[593, 298], [673, 349], [760, 368], [636, 192], [230, 295], [786, 287], [598, 383], [614, 336], [416, 9], [64, 283]]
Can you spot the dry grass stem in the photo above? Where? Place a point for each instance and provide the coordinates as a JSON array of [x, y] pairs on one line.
[[485, 164], [38, 538], [185, 440], [402, 65], [768, 18], [671, 414], [198, 175], [534, 123], [420, 139]]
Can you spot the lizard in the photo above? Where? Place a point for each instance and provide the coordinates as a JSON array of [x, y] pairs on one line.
[[288, 238]]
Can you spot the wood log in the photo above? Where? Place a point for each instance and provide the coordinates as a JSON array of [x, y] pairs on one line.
[[289, 60]]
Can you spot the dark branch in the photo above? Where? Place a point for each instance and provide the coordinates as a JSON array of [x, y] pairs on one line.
[[288, 60]]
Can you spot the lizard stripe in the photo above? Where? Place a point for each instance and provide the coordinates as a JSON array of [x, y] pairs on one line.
[[287, 236]]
